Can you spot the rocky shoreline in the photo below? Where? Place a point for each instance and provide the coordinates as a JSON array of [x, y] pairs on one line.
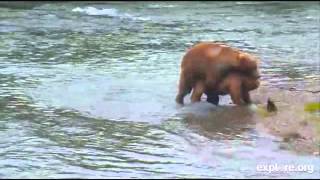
[[298, 129]]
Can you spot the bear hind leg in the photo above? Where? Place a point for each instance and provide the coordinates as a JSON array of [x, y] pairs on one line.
[[184, 89]]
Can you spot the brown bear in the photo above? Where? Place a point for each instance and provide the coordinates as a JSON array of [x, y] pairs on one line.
[[235, 84], [209, 62]]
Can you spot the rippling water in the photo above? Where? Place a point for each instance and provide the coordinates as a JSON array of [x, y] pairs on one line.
[[87, 89]]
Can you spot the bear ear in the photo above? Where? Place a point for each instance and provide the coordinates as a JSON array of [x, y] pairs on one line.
[[241, 58], [247, 61], [248, 57]]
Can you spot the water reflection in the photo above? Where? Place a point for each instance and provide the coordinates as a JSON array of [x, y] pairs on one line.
[[227, 122]]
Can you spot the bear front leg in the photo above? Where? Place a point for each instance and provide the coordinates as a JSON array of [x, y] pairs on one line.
[[197, 92], [246, 96], [235, 92]]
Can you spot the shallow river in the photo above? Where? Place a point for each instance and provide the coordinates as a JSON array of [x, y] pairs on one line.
[[87, 89]]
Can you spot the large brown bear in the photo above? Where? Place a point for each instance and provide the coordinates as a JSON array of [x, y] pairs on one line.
[[235, 84], [209, 62]]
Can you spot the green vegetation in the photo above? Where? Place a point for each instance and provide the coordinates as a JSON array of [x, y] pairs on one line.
[[312, 107]]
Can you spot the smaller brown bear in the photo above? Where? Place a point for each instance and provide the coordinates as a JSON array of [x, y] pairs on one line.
[[209, 62], [236, 84]]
